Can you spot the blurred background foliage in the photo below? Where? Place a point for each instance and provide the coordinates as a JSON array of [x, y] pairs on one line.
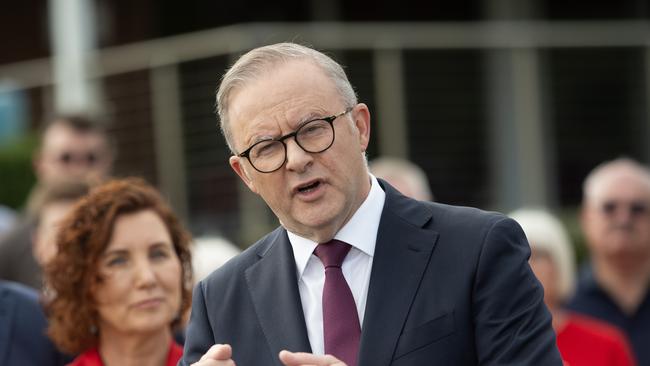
[[17, 177]]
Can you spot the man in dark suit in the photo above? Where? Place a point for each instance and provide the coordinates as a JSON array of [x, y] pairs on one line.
[[22, 329], [357, 273]]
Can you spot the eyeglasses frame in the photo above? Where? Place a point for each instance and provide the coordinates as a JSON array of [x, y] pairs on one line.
[[329, 119]]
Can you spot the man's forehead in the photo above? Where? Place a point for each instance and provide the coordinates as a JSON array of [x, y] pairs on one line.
[[58, 135], [293, 93], [622, 182], [283, 80], [270, 123]]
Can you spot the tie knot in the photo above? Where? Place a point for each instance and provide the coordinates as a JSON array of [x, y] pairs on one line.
[[332, 253]]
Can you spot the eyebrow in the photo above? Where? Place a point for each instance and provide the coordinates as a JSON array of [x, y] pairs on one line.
[[113, 252], [257, 139], [162, 245], [310, 116], [158, 244]]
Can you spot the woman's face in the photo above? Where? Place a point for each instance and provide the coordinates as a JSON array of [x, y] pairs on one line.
[[546, 272], [140, 290]]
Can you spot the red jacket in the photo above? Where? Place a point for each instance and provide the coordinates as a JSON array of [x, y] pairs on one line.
[[584, 341], [91, 357]]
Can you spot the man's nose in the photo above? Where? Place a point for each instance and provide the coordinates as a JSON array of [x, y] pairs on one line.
[[623, 217], [297, 158], [77, 167]]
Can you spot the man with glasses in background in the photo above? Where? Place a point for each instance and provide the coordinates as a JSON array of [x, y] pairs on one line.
[[357, 274], [72, 149], [615, 285]]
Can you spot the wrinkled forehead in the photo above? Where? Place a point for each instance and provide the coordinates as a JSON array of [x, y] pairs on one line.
[[290, 89], [619, 184], [283, 80]]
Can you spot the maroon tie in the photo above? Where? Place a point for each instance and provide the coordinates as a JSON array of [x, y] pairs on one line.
[[340, 319]]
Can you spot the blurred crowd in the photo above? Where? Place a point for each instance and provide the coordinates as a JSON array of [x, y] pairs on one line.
[[94, 262]]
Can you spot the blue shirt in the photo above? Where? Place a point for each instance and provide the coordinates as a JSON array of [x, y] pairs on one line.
[[592, 300]]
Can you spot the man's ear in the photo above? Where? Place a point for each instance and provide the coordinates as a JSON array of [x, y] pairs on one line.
[[240, 169], [361, 118]]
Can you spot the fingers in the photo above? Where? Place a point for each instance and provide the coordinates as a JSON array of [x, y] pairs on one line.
[[308, 359], [217, 355], [211, 362]]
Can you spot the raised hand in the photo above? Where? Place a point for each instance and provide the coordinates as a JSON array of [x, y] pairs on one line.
[[217, 355]]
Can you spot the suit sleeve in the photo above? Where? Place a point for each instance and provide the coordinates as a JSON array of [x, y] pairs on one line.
[[513, 326], [199, 337]]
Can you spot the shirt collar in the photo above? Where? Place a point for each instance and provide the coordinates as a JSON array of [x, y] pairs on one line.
[[360, 231]]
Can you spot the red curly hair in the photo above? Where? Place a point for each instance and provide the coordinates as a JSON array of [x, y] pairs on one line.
[[83, 237]]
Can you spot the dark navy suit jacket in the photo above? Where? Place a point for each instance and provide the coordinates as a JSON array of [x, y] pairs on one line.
[[449, 286], [22, 329]]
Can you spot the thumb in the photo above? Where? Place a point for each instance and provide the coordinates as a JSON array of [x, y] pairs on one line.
[[218, 352]]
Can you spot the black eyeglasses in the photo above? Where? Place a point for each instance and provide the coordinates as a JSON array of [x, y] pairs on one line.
[[314, 136], [88, 158], [634, 208]]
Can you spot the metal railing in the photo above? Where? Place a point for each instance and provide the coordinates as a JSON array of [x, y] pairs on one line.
[[511, 56]]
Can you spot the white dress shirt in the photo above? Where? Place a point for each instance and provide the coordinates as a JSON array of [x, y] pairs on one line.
[[361, 233]]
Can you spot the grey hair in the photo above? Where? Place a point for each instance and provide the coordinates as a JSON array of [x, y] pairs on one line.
[[547, 234], [394, 169], [254, 63], [590, 184]]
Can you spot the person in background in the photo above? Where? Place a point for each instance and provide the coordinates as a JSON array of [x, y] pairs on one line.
[[614, 285], [209, 253], [121, 279], [405, 176], [73, 150], [582, 340], [73, 147], [356, 272], [7, 218], [22, 329], [24, 263], [57, 201]]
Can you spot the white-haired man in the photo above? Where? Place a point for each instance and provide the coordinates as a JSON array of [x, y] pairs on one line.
[[357, 274], [615, 218], [408, 178]]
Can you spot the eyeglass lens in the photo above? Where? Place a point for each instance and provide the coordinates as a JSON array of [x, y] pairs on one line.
[[314, 137], [89, 158], [635, 208]]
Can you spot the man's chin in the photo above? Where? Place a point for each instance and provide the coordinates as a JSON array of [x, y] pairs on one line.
[[628, 258], [311, 226]]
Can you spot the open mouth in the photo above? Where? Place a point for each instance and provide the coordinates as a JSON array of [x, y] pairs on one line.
[[309, 187]]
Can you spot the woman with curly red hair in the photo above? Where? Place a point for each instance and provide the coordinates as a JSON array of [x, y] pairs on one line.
[[121, 280]]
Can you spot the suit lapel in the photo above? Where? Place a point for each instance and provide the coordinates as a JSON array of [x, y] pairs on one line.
[[273, 285], [402, 253]]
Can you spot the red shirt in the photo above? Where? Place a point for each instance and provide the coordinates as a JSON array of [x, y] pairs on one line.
[[584, 341], [91, 357]]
